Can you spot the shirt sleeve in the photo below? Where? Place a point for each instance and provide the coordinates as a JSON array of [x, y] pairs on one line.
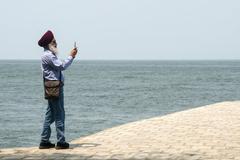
[[57, 64]]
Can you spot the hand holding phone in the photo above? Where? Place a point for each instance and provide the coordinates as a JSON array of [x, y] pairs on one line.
[[74, 51]]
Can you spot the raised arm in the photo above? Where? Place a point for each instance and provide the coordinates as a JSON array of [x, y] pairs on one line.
[[57, 64], [62, 65]]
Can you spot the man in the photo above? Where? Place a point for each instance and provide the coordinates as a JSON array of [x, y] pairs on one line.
[[52, 69]]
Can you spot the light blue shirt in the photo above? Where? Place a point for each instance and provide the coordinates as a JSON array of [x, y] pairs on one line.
[[52, 67]]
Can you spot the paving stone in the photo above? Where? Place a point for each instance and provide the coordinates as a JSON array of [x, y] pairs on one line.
[[204, 133]]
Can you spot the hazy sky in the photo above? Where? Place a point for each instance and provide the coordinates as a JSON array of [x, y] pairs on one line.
[[123, 29]]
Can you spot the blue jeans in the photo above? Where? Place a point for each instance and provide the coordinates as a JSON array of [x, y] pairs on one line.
[[55, 112]]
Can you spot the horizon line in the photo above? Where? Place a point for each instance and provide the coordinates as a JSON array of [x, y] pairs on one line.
[[130, 59]]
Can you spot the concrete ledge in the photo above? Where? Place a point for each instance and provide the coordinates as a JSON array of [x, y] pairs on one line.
[[208, 132]]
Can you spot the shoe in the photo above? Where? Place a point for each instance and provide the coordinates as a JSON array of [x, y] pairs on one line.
[[46, 145], [63, 145]]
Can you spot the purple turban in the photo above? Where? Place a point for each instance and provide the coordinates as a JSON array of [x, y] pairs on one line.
[[46, 39]]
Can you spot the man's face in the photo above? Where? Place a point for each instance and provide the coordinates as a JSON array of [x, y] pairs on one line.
[[53, 46], [54, 43]]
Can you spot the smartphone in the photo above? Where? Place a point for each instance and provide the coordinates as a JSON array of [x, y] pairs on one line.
[[75, 45]]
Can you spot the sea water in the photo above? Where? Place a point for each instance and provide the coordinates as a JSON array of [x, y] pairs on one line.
[[103, 94]]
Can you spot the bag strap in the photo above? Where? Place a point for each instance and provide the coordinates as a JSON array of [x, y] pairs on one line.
[[60, 76]]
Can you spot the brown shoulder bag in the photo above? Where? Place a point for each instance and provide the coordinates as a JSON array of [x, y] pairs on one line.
[[52, 88]]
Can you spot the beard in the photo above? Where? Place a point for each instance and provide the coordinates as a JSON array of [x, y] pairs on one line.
[[53, 48]]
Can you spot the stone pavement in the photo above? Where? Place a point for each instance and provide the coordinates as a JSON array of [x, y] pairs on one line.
[[206, 133]]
